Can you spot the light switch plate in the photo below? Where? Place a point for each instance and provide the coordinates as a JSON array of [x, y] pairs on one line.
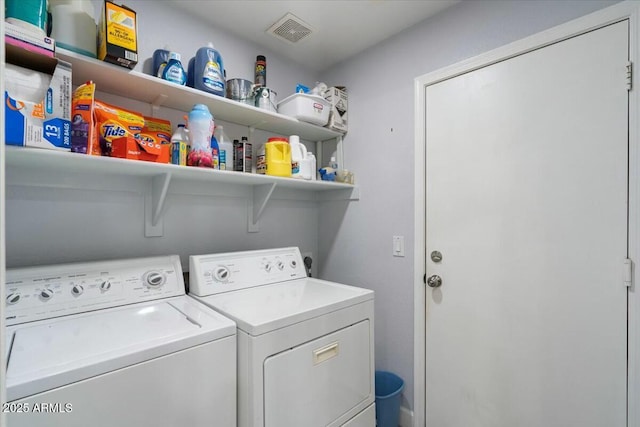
[[398, 246]]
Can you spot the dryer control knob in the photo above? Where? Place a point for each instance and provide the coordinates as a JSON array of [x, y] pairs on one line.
[[46, 294], [13, 298], [267, 267], [280, 265], [105, 286], [77, 290], [154, 279], [221, 274]]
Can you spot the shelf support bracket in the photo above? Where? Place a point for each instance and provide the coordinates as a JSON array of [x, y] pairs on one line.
[[154, 205], [261, 195], [157, 103]]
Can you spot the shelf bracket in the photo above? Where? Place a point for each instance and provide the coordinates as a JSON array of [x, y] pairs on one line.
[[261, 195], [157, 103], [154, 204]]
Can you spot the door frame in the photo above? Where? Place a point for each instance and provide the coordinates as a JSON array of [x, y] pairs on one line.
[[626, 10]]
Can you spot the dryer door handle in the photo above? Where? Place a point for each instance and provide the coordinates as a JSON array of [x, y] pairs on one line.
[[325, 353]]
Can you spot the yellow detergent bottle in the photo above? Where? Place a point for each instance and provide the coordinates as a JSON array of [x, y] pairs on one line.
[[275, 158]]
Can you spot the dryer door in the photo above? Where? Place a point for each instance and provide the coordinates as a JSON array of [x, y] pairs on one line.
[[318, 382]]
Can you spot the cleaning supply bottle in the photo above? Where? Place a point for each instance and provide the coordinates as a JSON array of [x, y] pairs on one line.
[[200, 130], [206, 71], [160, 59], [274, 158], [173, 71], [215, 153], [312, 166], [180, 146], [261, 71], [225, 149], [298, 155]]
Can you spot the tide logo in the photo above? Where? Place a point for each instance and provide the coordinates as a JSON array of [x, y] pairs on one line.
[[112, 130]]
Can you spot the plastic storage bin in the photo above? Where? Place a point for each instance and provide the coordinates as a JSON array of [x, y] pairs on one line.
[[306, 108], [388, 389]]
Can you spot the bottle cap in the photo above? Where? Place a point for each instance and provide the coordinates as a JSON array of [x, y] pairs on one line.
[[174, 55], [261, 58], [294, 139], [200, 111]]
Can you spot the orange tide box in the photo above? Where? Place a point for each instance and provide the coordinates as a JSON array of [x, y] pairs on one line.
[[129, 147], [118, 35]]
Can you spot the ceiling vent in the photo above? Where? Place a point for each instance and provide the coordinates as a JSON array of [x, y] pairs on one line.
[[291, 29]]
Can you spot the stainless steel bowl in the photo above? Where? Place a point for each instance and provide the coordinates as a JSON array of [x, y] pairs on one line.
[[240, 90]]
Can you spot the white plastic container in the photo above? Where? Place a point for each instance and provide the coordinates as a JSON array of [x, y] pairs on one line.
[[307, 108], [299, 167], [225, 147], [311, 161]]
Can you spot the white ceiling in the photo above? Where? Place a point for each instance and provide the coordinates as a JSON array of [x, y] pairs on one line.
[[341, 28]]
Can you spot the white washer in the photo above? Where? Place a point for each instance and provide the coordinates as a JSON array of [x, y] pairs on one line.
[[116, 343], [305, 346]]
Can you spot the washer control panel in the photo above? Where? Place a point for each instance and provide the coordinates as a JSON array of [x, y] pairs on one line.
[[216, 273], [43, 292]]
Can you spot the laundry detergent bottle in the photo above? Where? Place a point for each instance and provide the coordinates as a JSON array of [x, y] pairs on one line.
[[173, 71], [225, 148], [206, 71], [201, 126], [299, 168]]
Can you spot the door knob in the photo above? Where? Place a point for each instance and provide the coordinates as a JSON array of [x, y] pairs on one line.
[[434, 281]]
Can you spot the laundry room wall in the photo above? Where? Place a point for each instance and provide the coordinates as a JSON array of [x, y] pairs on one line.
[[103, 217], [355, 240]]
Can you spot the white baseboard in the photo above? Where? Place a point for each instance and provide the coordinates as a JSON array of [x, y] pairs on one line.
[[406, 417]]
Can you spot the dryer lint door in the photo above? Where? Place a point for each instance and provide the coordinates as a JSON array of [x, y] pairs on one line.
[[316, 383]]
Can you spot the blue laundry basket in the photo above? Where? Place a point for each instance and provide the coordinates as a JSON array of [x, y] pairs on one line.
[[388, 389]]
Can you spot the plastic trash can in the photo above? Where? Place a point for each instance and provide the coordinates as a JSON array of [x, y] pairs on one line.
[[388, 389]]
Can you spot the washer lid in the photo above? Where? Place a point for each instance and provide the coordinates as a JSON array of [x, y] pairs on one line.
[[52, 353], [265, 308]]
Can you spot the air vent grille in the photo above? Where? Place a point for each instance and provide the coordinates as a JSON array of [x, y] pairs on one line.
[[290, 28]]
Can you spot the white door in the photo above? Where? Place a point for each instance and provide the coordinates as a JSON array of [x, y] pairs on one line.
[[526, 199]]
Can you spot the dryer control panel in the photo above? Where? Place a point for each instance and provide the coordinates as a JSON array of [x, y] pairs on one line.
[[43, 292], [217, 273]]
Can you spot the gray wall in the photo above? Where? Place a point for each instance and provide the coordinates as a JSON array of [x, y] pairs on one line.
[[355, 240]]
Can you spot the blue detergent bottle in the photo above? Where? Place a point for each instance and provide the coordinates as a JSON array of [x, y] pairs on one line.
[[160, 60], [173, 71], [206, 71]]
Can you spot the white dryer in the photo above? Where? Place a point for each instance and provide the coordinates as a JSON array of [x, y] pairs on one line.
[[305, 346], [115, 343]]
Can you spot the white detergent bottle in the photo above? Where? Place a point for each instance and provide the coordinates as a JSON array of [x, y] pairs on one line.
[[312, 165], [298, 156], [225, 149]]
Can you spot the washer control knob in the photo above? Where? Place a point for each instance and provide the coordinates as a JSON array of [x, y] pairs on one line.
[[154, 279], [293, 264], [77, 290], [105, 286], [13, 298], [267, 267], [46, 294], [280, 265], [221, 274]]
